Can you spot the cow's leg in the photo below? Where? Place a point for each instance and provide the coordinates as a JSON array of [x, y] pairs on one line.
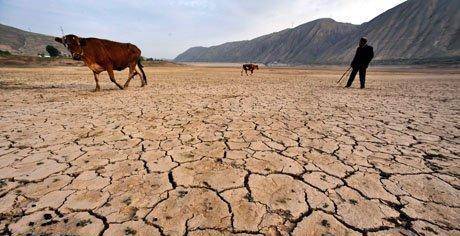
[[112, 77], [131, 75], [138, 68], [143, 83], [140, 77], [252, 71], [97, 82], [246, 72]]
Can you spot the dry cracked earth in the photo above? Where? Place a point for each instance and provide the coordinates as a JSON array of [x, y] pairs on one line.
[[204, 151]]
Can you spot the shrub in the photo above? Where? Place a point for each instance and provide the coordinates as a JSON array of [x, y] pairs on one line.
[[4, 53], [52, 51]]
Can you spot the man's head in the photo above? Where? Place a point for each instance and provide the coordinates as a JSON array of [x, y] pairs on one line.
[[362, 41], [74, 44]]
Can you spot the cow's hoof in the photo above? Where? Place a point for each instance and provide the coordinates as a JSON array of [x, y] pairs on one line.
[[125, 86], [97, 89]]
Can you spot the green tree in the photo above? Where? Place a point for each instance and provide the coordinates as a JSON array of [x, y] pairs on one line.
[[4, 53], [52, 51]]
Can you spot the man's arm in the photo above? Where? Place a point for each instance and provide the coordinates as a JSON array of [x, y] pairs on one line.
[[355, 58], [369, 55]]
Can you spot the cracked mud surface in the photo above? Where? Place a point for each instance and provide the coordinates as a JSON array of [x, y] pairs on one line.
[[203, 151]]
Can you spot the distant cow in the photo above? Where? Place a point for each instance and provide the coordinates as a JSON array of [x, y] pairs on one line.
[[249, 67], [105, 55]]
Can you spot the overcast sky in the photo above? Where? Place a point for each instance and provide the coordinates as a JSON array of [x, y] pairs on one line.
[[165, 28]]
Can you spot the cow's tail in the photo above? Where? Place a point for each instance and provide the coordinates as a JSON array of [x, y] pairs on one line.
[[144, 78]]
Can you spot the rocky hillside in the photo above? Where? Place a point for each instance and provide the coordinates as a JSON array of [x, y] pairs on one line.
[[288, 46], [414, 30], [21, 42]]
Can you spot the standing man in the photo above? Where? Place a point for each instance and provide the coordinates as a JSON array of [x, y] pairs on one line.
[[363, 56]]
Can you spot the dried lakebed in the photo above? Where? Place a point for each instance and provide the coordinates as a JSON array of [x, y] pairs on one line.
[[203, 151]]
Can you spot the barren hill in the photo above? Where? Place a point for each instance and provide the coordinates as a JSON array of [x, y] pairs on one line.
[[413, 30], [21, 42], [416, 29], [290, 45]]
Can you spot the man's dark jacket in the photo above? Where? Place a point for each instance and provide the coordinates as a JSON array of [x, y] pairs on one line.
[[363, 57]]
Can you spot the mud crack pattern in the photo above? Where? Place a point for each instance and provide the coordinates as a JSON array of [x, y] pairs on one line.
[[203, 151]]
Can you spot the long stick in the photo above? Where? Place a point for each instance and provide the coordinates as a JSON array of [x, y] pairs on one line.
[[343, 75]]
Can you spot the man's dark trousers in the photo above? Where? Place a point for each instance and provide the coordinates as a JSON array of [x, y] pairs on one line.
[[362, 76]]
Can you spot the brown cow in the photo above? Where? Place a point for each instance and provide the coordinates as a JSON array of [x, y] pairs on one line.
[[249, 67], [105, 55]]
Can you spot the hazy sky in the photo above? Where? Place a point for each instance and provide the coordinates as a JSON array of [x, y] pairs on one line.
[[165, 28]]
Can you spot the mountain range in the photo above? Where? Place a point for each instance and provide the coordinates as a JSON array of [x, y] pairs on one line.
[[416, 30]]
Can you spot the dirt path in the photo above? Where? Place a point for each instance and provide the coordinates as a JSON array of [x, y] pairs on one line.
[[203, 151]]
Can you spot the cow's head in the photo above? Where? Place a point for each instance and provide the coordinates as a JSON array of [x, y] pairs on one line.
[[74, 44], [256, 67]]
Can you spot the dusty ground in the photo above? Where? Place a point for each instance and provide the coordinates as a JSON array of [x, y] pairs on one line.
[[203, 151]]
